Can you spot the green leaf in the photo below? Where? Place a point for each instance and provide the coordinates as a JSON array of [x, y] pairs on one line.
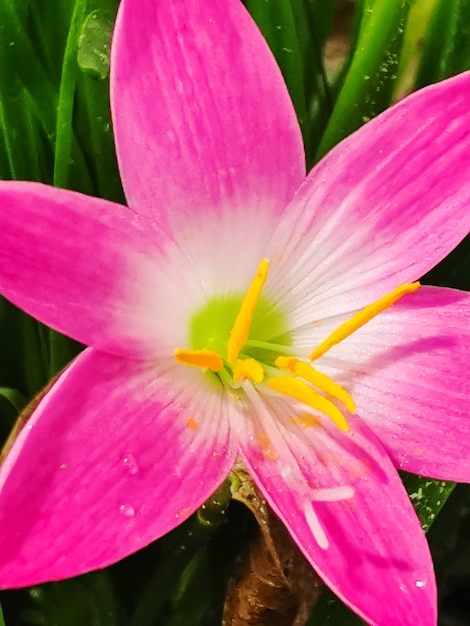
[[296, 31], [453, 270], [62, 350], [11, 403], [27, 97], [85, 157], [88, 599], [416, 26], [276, 21], [36, 355], [11, 340], [428, 496], [13, 397], [446, 48], [94, 43], [65, 151], [183, 586], [368, 83], [314, 20]]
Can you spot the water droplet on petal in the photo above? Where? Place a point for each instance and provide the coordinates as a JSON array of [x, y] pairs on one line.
[[127, 510], [130, 463], [420, 584]]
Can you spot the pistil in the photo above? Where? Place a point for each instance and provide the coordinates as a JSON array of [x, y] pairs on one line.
[[248, 369]]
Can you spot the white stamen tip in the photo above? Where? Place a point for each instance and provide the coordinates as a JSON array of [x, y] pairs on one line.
[[315, 527], [333, 495]]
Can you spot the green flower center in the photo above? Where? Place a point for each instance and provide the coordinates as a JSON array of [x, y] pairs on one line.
[[241, 341], [268, 335]]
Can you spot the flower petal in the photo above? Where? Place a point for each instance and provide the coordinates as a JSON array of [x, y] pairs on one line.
[[407, 371], [117, 454], [374, 554], [202, 117], [85, 267], [380, 209]]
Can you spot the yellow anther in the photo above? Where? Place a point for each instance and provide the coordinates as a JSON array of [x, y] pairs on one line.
[[241, 328], [207, 359], [248, 368], [361, 318], [299, 390], [316, 378]]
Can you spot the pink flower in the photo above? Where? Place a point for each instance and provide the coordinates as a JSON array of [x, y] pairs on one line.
[[132, 438]]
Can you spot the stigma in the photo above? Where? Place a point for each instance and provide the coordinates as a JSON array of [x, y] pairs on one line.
[[284, 374]]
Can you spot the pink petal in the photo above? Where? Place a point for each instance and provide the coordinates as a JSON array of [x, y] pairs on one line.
[[108, 463], [203, 120], [407, 371], [381, 209], [86, 268], [377, 559]]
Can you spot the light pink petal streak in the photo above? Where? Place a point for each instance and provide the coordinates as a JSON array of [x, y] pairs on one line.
[[205, 129], [374, 554], [407, 371], [381, 209], [107, 464], [87, 268]]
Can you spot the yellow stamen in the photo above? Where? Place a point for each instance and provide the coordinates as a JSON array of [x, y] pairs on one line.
[[207, 359], [192, 424], [321, 381], [307, 420], [361, 318], [248, 368], [297, 389], [241, 328]]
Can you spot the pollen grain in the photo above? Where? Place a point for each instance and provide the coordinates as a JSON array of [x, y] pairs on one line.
[[267, 447], [192, 424]]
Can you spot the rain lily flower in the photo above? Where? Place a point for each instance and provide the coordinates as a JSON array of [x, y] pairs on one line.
[[236, 309]]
